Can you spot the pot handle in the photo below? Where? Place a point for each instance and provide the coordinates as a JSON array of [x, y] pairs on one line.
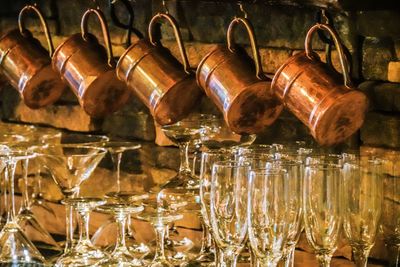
[[253, 43], [343, 61], [104, 28], [24, 31], [178, 37]]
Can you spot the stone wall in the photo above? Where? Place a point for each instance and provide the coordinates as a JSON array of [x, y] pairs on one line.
[[372, 37]]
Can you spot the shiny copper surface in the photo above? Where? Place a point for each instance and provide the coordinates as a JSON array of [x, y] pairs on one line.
[[317, 95], [89, 70], [26, 64], [238, 86], [160, 81]]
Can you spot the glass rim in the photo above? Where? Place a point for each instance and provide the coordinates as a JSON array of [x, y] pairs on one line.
[[232, 163], [101, 150], [271, 171], [201, 117], [360, 162], [101, 138], [18, 154], [290, 162], [217, 151], [324, 166]]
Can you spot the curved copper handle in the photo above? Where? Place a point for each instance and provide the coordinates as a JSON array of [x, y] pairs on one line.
[[253, 42], [178, 36], [45, 27], [339, 48], [104, 28]]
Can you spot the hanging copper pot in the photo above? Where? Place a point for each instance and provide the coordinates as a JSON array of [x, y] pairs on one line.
[[315, 93], [238, 88], [89, 70], [160, 81], [26, 64]]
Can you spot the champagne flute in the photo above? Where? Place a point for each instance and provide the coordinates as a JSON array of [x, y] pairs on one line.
[[208, 158], [362, 202], [294, 217], [228, 205], [321, 204], [269, 205]]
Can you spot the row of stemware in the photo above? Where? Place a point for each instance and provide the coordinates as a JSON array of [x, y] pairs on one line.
[[270, 197]]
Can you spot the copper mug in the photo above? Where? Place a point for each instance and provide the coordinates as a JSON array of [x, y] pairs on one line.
[[89, 70], [316, 95], [159, 80], [238, 88], [26, 64]]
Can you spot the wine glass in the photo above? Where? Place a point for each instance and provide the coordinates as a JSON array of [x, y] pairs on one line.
[[178, 200], [390, 222], [16, 248], [70, 165], [160, 218], [33, 199], [218, 135], [322, 213], [270, 213], [362, 202], [228, 208], [84, 253], [183, 133], [121, 256], [127, 198], [116, 149], [7, 140]]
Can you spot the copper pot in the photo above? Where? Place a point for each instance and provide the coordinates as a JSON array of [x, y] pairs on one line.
[[89, 70], [160, 81], [237, 87], [26, 64], [315, 93]]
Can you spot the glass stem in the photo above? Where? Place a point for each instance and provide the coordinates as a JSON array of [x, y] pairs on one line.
[[9, 191], [131, 230], [288, 258], [38, 185], [25, 193], [361, 257], [253, 259], [206, 241], [324, 260], [84, 225], [184, 153], [69, 231], [121, 224], [160, 240], [227, 259], [116, 158]]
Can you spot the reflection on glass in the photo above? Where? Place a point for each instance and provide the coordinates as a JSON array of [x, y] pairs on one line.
[[322, 214], [362, 202], [228, 209]]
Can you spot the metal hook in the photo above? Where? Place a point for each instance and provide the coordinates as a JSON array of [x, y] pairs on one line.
[[164, 3], [117, 22], [242, 9], [96, 4]]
